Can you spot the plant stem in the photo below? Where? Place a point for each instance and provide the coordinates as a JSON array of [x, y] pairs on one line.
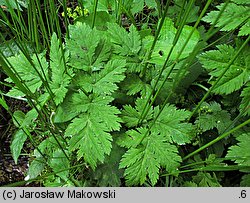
[[217, 139], [94, 12], [220, 77]]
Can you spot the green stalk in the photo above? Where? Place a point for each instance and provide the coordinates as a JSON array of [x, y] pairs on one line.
[[178, 21], [119, 13], [217, 139], [148, 105], [44, 34], [24, 129], [157, 33], [66, 18], [14, 78], [217, 18], [220, 77], [128, 13], [211, 168], [94, 12]]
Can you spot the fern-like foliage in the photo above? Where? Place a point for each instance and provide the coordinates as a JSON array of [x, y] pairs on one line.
[[89, 49], [216, 61], [61, 75], [30, 71], [235, 15], [144, 160], [212, 116], [126, 44], [203, 179], [152, 148], [89, 103], [245, 103], [240, 153]]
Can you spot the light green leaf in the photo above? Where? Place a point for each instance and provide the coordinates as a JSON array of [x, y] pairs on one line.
[[233, 16], [171, 124], [109, 174], [61, 75], [90, 138], [4, 104], [216, 61], [88, 48], [125, 44], [36, 167], [203, 179], [131, 116], [18, 117], [245, 103], [29, 74], [145, 160], [165, 42], [104, 82], [245, 181], [240, 153], [17, 144], [214, 117], [58, 162]]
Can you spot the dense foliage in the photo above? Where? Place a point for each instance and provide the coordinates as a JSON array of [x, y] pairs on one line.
[[135, 93]]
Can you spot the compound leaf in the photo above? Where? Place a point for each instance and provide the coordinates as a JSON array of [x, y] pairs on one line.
[[216, 61], [240, 153], [232, 17]]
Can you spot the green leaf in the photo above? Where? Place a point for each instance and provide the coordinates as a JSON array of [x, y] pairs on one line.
[[58, 162], [171, 124], [106, 113], [90, 132], [14, 4], [233, 16], [203, 179], [165, 42], [178, 7], [213, 117], [245, 181], [29, 74], [109, 174], [22, 120], [125, 44], [131, 116], [104, 82], [38, 164], [18, 117], [245, 103], [90, 137], [240, 153], [145, 160], [216, 61], [17, 144], [61, 75], [133, 85], [35, 169], [137, 6], [73, 105], [88, 48], [103, 5], [101, 19], [10, 48], [242, 1], [4, 104]]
